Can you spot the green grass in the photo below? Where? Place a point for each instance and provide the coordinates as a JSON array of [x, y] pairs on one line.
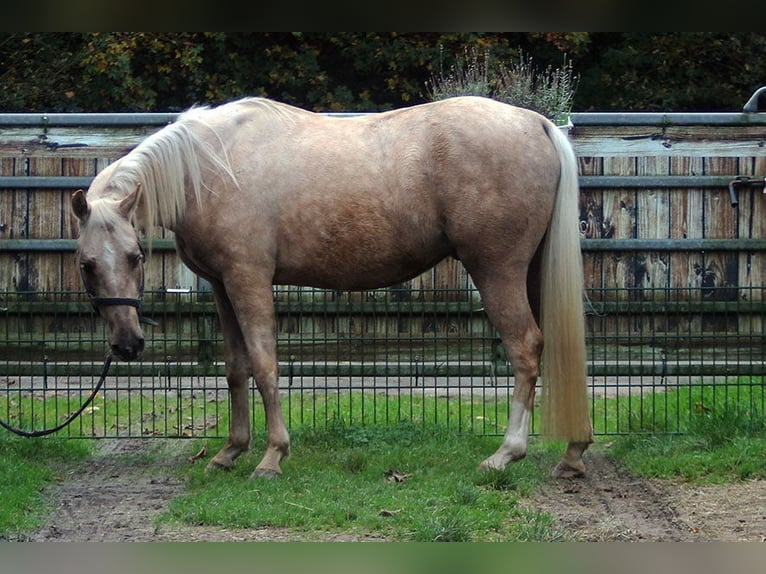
[[336, 481], [721, 434], [342, 480], [163, 413], [26, 467], [481, 414], [345, 445], [675, 411], [156, 413]]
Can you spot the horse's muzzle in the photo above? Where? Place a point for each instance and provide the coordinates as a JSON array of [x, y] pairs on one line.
[[126, 338], [127, 348]]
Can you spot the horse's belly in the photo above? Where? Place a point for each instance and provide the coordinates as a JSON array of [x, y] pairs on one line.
[[366, 266], [359, 241]]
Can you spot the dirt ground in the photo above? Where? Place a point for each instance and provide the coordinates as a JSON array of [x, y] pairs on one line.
[[115, 498]]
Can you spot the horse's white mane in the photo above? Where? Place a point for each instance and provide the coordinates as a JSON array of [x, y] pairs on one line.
[[280, 111], [183, 154], [179, 155]]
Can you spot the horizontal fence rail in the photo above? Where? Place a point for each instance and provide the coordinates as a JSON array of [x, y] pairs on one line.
[[672, 221]]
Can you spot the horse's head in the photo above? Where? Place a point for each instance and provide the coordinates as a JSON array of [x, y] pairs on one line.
[[112, 267]]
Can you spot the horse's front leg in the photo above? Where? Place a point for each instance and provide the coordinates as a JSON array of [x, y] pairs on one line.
[[250, 347], [263, 355], [278, 439], [254, 308], [237, 377]]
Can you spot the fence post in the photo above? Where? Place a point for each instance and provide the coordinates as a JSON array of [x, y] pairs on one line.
[[205, 355]]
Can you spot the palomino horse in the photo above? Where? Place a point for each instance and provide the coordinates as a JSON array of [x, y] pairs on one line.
[[260, 193]]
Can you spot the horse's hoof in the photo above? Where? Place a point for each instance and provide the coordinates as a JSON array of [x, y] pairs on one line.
[[487, 466], [267, 473], [502, 458], [567, 470]]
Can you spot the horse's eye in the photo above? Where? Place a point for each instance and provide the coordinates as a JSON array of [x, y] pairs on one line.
[[137, 259], [87, 269]]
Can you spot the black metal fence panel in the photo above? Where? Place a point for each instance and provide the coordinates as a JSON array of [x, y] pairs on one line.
[[364, 358]]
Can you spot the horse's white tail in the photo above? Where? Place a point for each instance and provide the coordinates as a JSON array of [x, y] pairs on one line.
[[564, 408]]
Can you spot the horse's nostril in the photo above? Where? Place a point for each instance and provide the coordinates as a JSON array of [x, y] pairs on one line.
[[130, 351]]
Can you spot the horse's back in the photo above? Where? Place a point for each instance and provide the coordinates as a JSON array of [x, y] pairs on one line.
[[444, 151]]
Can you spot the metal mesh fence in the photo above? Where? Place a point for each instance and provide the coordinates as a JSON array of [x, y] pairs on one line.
[[374, 357]]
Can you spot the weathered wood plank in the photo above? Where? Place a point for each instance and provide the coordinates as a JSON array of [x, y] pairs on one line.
[[752, 223], [719, 272], [688, 141], [619, 222], [7, 206], [619, 268], [653, 221], [44, 211], [592, 224], [686, 223], [38, 141], [16, 222]]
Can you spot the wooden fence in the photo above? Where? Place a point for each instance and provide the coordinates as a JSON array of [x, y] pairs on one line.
[[673, 221], [670, 264]]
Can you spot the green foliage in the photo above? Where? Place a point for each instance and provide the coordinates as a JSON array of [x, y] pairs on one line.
[[549, 92], [365, 71], [671, 71], [470, 75]]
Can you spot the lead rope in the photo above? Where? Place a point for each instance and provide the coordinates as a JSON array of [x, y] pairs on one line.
[[70, 418]]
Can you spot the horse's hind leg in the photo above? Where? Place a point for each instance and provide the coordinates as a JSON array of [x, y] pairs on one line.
[[237, 376], [571, 464], [504, 298]]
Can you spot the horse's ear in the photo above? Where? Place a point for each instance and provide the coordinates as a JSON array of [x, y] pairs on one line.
[[80, 205], [129, 202]]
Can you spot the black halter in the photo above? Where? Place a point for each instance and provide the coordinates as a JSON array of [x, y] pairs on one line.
[[114, 301]]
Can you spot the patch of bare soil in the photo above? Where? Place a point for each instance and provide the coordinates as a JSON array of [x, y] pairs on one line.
[[611, 505], [117, 497]]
